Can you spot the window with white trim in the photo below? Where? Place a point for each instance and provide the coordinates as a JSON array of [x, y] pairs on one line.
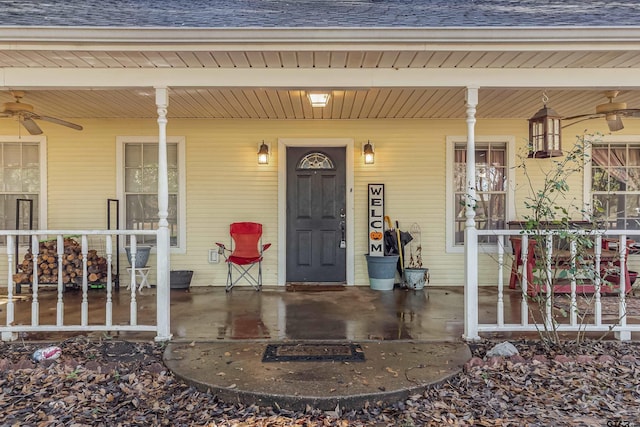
[[22, 174], [615, 183], [139, 187], [494, 191]]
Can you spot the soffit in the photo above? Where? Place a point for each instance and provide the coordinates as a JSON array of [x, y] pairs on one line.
[[442, 58]]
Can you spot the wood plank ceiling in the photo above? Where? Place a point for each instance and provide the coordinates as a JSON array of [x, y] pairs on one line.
[[291, 103]]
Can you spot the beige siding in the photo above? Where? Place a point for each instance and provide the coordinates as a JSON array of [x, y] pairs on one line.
[[225, 183]]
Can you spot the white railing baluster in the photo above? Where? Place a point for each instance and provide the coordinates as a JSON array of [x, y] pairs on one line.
[[109, 305], [9, 330], [624, 335], [133, 304], [60, 303], [598, 282], [500, 307], [621, 327], [8, 336], [35, 305], [524, 306], [548, 285], [573, 304], [622, 247], [85, 284]]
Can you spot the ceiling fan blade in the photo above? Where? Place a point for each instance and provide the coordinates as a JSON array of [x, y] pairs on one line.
[[583, 119], [30, 126], [631, 112], [615, 123], [58, 122]]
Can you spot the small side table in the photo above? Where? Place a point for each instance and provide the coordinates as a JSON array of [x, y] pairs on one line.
[[142, 274]]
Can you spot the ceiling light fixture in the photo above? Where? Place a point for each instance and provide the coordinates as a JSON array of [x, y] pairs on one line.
[[318, 99]]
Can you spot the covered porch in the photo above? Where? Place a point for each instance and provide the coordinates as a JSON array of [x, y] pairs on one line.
[[216, 99]]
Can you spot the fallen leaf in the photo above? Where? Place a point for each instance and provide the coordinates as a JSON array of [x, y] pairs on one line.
[[391, 371]]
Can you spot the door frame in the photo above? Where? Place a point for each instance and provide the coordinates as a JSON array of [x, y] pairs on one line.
[[283, 143]]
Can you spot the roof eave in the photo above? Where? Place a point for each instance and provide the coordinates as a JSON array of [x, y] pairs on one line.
[[471, 38]]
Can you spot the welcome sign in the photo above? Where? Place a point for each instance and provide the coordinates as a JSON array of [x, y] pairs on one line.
[[376, 219]]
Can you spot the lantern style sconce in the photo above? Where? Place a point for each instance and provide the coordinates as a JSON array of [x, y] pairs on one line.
[[318, 99], [263, 154], [544, 133], [368, 153]]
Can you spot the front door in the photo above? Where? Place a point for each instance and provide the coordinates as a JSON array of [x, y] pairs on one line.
[[316, 205]]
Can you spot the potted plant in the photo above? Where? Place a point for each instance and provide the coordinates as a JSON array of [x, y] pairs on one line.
[[415, 274]]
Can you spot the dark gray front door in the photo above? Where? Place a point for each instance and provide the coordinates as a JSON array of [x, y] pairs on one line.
[[316, 246]]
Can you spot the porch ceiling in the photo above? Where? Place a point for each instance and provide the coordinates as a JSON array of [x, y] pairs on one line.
[[292, 104]]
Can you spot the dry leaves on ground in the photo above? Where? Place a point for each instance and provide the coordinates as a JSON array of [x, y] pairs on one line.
[[119, 383]]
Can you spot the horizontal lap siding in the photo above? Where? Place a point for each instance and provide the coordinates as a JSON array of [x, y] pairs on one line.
[[225, 184]]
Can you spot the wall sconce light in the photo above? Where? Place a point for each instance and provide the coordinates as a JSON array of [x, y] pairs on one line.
[[368, 153], [544, 132], [318, 99], [263, 153]]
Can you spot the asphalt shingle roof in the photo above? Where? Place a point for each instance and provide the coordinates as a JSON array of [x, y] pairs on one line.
[[319, 13]]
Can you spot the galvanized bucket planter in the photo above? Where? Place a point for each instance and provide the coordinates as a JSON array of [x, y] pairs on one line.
[[416, 277]]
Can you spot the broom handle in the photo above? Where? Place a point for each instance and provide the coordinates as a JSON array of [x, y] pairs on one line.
[[400, 246], [388, 221]]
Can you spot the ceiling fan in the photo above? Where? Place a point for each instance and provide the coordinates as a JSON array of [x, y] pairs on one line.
[[611, 111], [25, 115]]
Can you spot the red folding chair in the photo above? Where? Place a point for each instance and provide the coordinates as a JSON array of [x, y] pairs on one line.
[[245, 253]]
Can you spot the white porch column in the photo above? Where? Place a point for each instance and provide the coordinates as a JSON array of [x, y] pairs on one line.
[[470, 232], [163, 297]]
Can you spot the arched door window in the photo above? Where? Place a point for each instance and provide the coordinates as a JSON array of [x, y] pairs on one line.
[[316, 161]]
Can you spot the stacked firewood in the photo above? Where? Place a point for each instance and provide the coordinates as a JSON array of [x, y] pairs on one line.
[[71, 265]]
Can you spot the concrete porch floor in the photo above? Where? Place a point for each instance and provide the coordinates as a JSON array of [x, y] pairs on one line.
[[209, 313], [410, 339]]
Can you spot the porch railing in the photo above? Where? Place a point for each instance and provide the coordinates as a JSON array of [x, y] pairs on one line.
[[544, 269], [104, 239]]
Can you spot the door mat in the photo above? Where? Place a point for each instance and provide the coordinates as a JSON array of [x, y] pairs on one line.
[[305, 287], [313, 353]]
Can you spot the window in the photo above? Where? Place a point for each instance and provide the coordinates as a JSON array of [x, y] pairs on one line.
[[139, 187], [316, 161], [494, 191], [615, 183], [22, 175]]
